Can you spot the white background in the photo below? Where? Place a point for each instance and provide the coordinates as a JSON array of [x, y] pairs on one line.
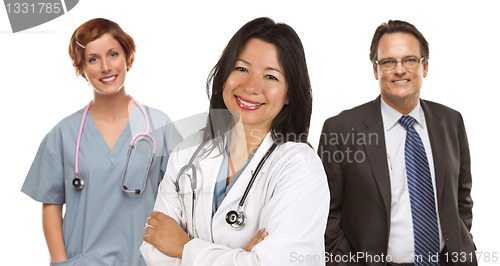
[[178, 44]]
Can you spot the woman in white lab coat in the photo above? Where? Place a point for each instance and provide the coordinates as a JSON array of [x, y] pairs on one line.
[[260, 99]]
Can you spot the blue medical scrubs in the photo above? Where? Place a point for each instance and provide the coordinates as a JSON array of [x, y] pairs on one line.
[[102, 224]]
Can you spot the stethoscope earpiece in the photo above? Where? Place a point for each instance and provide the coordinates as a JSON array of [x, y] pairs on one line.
[[132, 192]]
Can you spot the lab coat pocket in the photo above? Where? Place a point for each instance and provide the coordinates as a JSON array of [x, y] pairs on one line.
[[79, 260]]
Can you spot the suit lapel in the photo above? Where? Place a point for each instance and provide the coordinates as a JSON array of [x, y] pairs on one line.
[[437, 139], [377, 154]]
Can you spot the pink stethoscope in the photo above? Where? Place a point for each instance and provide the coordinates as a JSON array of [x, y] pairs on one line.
[[79, 184]]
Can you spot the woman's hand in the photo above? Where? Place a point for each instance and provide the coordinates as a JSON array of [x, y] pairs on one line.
[[165, 234], [261, 234]]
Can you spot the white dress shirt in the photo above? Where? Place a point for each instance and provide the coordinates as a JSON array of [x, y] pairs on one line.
[[401, 241]]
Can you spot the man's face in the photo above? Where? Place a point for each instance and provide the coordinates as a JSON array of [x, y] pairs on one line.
[[400, 86]]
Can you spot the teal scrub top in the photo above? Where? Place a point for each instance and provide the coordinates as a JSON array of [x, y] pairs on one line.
[[220, 189], [103, 225]]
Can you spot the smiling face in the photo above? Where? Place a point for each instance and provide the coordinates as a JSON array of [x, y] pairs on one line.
[[256, 88], [400, 87], [105, 65]]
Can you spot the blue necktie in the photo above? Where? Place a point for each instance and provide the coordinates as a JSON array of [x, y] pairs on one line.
[[423, 208]]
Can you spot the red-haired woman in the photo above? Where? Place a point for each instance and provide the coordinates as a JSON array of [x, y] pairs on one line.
[[103, 162]]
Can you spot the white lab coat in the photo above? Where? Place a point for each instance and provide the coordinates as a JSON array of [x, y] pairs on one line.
[[290, 199]]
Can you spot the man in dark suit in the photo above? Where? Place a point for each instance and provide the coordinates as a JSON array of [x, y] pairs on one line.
[[379, 177]]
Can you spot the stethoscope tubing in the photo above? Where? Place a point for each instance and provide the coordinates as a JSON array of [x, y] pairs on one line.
[[78, 183], [77, 150], [255, 173], [239, 215]]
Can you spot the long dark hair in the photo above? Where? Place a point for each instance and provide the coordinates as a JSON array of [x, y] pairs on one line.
[[292, 122]]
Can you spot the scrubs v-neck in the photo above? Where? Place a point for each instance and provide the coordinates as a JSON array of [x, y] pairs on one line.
[[220, 189], [102, 224]]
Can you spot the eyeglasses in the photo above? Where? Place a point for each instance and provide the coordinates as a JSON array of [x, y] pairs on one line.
[[391, 63]]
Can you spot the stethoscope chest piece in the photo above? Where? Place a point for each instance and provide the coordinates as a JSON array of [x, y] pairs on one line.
[[78, 183], [236, 219]]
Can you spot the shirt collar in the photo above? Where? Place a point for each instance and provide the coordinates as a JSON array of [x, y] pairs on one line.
[[390, 116]]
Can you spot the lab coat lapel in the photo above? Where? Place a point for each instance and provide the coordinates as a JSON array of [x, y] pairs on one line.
[[241, 184], [435, 130], [209, 166], [377, 154], [232, 199]]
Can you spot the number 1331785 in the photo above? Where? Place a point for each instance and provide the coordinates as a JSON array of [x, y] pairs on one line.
[[33, 8], [464, 257]]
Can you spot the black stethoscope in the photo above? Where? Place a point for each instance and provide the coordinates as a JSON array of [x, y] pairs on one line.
[[235, 218]]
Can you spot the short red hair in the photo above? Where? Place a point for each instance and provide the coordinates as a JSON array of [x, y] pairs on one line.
[[92, 30]]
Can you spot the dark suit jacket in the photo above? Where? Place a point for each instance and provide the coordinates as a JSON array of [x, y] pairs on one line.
[[352, 148]]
